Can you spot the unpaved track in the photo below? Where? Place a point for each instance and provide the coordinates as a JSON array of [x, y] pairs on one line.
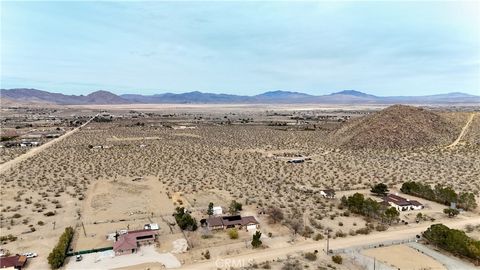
[[339, 243], [462, 133], [9, 164]]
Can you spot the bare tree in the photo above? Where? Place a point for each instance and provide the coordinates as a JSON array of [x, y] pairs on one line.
[[276, 214]]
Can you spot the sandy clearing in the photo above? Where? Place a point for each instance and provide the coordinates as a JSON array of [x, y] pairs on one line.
[[403, 257]]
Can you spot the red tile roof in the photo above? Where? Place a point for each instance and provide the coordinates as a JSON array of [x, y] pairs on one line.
[[129, 240], [125, 243]]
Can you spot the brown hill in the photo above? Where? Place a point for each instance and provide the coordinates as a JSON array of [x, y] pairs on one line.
[[396, 127]]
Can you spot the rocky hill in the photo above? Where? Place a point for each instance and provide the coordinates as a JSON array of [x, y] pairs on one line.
[[396, 127]]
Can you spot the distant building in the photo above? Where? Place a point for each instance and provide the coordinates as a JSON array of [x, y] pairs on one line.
[[13, 262], [217, 223], [402, 204], [296, 160], [328, 193], [130, 242]]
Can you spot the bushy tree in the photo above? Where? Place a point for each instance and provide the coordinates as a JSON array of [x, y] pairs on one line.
[[235, 207], [391, 214], [184, 220], [466, 200], [276, 214], [451, 212], [440, 194], [256, 242], [210, 209], [454, 241], [57, 257], [380, 189]]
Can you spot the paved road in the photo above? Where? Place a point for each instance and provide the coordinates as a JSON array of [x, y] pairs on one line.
[[11, 163], [452, 263], [310, 245]]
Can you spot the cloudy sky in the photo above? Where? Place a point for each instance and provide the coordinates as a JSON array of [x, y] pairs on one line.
[[382, 47]]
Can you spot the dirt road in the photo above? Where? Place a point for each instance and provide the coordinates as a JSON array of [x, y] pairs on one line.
[[464, 130], [339, 243], [9, 164]]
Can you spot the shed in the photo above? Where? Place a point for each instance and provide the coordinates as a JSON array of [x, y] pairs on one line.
[[217, 210]]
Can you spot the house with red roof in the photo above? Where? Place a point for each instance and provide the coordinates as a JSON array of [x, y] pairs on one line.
[[130, 242], [13, 262]]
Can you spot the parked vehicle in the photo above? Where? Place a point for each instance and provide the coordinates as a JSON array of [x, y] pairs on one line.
[[30, 254], [78, 258]]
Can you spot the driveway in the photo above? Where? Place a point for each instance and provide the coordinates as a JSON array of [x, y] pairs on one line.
[[107, 260]]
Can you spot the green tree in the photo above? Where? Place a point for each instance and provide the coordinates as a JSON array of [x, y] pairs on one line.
[[210, 209], [380, 189], [57, 257], [467, 201], [391, 214], [256, 242], [454, 241], [235, 207], [451, 212], [445, 195], [184, 220]]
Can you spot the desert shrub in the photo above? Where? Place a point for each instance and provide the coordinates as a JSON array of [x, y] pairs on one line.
[[381, 227], [233, 233], [41, 223], [365, 230], [206, 255], [58, 254], [311, 256], [8, 238], [49, 214], [337, 259], [318, 237], [292, 265]]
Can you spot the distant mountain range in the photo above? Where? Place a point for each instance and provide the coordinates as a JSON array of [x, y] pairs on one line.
[[23, 95]]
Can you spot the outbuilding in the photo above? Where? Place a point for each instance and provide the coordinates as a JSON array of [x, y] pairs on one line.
[[217, 210]]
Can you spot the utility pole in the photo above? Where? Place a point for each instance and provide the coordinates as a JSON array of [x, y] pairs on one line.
[[54, 225], [84, 232], [374, 263], [328, 241]]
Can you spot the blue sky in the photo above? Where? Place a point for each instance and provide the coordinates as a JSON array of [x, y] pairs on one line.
[[382, 47]]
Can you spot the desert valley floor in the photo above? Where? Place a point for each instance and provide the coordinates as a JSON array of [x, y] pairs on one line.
[[130, 166]]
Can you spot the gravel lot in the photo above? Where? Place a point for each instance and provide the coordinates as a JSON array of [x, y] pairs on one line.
[[106, 260]]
